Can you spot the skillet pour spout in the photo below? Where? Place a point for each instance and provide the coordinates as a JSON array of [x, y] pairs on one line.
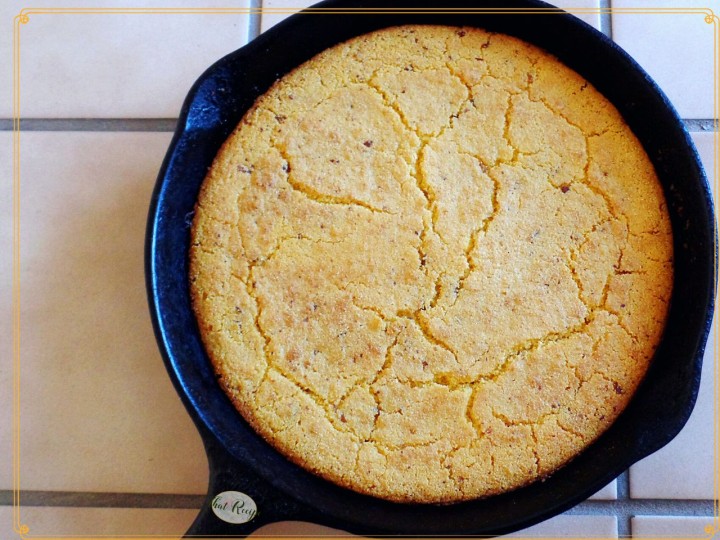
[[240, 461]]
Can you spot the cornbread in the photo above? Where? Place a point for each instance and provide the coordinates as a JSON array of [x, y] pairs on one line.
[[431, 264]]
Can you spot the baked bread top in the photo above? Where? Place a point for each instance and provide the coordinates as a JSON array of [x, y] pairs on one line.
[[431, 264]]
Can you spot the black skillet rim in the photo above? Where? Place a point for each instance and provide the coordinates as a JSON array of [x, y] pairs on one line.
[[658, 410]]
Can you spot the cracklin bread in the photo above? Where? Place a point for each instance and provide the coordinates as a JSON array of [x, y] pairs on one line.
[[431, 264]]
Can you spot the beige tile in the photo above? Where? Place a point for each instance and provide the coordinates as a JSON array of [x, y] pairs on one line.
[[675, 49], [670, 527], [705, 144], [684, 468], [98, 410], [564, 526], [6, 318], [570, 526], [271, 18], [114, 65], [609, 492], [97, 522]]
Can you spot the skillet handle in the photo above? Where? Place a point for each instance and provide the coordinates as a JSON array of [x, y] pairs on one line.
[[227, 474]]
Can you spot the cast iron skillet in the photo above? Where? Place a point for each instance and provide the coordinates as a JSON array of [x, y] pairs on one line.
[[241, 461]]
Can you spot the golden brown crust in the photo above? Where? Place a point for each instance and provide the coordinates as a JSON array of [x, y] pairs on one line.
[[431, 264]]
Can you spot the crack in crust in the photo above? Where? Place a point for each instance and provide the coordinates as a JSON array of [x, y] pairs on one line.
[[417, 375]]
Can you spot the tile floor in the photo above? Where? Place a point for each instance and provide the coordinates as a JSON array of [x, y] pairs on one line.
[[669, 527], [101, 92], [674, 48], [114, 65]]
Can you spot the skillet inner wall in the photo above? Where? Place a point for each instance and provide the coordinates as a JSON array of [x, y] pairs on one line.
[[666, 145]]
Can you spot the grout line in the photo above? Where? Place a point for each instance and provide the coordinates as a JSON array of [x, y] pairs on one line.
[[92, 124], [622, 508], [169, 124], [103, 500], [606, 18], [623, 486], [624, 518], [255, 19], [624, 526], [701, 125], [624, 522]]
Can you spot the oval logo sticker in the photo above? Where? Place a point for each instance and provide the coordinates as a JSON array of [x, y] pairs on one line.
[[234, 507]]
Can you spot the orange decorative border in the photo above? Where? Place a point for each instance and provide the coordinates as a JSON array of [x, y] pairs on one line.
[[711, 530]]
